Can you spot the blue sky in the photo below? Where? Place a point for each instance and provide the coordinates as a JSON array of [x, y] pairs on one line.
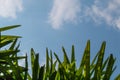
[[58, 23]]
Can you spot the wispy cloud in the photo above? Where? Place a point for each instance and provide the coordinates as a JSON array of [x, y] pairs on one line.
[[64, 11], [9, 8], [100, 11], [105, 11]]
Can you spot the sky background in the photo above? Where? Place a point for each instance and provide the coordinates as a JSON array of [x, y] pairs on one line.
[[57, 23]]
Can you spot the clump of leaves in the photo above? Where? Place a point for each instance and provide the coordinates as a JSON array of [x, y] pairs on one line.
[[9, 67], [98, 69]]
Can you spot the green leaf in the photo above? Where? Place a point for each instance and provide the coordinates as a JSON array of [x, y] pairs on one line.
[[51, 62], [57, 59], [105, 63], [87, 61], [13, 44], [47, 61], [109, 68], [26, 66], [8, 27], [41, 73], [18, 58], [72, 54], [9, 37], [66, 60], [36, 67], [4, 43], [32, 58], [98, 67], [5, 53], [73, 61]]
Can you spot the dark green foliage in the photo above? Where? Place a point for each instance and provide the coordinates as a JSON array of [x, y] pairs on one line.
[[100, 68], [9, 67]]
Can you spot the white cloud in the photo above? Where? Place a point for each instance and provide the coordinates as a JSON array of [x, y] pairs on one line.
[[105, 11], [117, 22], [9, 8], [101, 11], [64, 11]]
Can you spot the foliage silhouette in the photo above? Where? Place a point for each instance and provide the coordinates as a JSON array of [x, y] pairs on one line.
[[98, 69]]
